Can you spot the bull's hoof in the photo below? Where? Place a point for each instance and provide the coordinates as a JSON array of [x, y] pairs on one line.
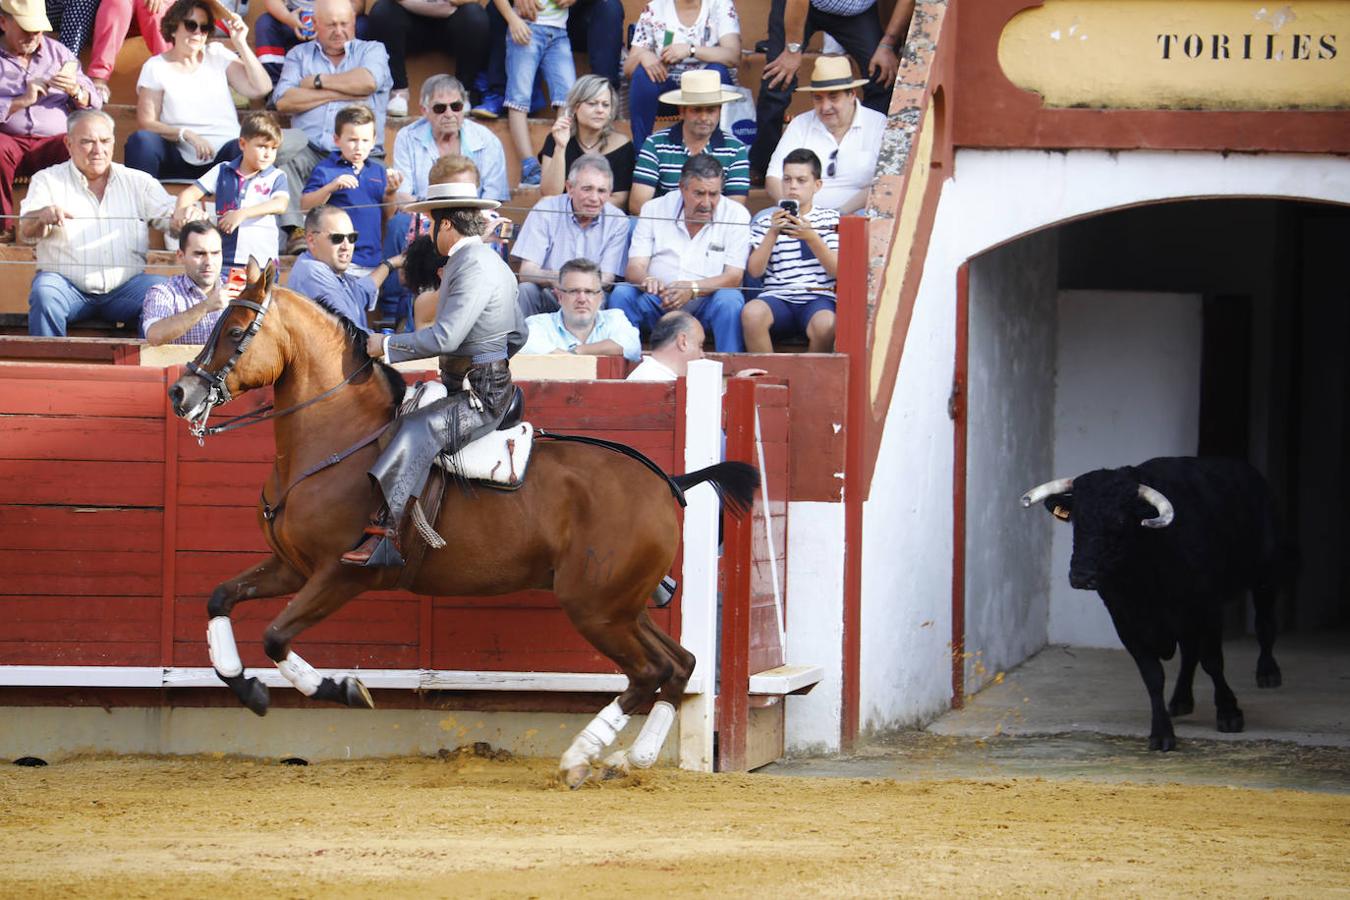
[[1269, 677], [1180, 707], [576, 776], [1232, 723], [1164, 743]]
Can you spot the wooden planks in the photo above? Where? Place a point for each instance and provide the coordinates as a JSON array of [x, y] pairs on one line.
[[115, 526]]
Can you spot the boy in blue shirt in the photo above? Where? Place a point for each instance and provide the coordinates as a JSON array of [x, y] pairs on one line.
[[249, 193], [350, 180]]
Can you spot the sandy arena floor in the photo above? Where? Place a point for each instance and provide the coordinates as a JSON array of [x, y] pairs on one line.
[[466, 826]]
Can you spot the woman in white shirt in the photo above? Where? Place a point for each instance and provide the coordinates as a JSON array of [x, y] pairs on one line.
[[184, 109], [671, 37]]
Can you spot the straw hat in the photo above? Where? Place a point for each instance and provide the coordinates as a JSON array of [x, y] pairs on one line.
[[832, 73], [452, 195], [30, 14], [699, 87]]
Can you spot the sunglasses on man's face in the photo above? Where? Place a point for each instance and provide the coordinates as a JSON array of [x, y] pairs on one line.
[[338, 238], [194, 25], [440, 108]]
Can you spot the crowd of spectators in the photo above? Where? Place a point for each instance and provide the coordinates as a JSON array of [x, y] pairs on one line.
[[625, 231]]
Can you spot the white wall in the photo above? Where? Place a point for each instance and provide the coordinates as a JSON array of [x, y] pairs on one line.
[[815, 623], [1010, 420], [1127, 389], [995, 197]]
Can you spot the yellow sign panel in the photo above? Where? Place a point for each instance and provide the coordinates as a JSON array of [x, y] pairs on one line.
[[1182, 54]]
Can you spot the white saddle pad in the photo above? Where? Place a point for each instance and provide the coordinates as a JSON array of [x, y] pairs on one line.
[[499, 457]]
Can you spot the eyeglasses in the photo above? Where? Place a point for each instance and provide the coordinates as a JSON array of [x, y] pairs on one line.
[[338, 238], [440, 108], [195, 25], [579, 292], [829, 170]]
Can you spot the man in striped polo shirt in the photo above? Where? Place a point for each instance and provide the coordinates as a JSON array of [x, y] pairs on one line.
[[797, 255], [662, 156]]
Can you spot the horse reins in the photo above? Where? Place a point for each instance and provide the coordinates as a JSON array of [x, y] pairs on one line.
[[218, 393]]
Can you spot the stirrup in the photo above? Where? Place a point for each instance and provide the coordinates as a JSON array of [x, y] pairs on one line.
[[380, 548]]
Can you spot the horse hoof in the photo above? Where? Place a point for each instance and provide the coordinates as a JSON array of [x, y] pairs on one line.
[[1232, 724], [1164, 743], [616, 765], [256, 697], [576, 776], [1269, 679], [357, 695]]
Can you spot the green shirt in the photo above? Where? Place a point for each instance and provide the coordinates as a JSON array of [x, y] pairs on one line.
[[664, 154]]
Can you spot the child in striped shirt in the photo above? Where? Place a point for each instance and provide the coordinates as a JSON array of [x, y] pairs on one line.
[[796, 252]]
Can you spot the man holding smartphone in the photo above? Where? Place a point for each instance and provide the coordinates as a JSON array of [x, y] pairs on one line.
[[796, 252], [184, 309]]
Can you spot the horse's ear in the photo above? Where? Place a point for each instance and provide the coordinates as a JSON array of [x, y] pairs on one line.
[[269, 274], [253, 270]]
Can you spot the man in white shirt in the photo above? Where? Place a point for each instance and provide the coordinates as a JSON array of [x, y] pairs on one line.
[[88, 218], [580, 326], [688, 252], [843, 133], [677, 340]]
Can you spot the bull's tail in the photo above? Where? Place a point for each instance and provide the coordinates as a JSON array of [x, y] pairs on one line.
[[735, 483]]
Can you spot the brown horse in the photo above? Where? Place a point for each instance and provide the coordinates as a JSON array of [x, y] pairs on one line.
[[596, 527]]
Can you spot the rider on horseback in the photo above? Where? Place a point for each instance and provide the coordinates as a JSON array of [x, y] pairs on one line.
[[478, 326]]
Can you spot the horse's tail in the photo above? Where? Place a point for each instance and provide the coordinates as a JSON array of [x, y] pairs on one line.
[[735, 483]]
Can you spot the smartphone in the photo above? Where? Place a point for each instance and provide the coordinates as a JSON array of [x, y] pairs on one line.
[[69, 69], [237, 277], [788, 206]]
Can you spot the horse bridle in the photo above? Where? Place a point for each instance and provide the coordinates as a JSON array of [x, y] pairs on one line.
[[218, 394]]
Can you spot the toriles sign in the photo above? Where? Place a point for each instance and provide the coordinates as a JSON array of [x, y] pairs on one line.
[[1174, 54]]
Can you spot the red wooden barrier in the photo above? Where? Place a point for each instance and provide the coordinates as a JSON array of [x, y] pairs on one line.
[[750, 637], [115, 526]]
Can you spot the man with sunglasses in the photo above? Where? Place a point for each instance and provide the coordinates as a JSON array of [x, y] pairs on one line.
[[446, 130], [320, 273], [845, 135]]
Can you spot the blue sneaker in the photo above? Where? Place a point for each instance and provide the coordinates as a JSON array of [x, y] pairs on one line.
[[491, 107], [530, 172]]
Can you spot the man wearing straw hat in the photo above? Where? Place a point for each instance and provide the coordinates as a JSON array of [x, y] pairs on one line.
[[840, 131], [662, 156], [477, 328], [40, 85], [856, 25]]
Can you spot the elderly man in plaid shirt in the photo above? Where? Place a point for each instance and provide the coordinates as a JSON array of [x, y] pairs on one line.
[[184, 309]]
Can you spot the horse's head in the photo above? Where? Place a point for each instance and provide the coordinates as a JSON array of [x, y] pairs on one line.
[[241, 354]]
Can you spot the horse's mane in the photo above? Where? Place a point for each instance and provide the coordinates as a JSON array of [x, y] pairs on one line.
[[356, 340]]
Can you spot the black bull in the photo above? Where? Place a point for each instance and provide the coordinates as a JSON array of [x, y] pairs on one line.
[[1166, 543]]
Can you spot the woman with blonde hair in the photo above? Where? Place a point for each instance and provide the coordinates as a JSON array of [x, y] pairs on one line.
[[587, 126]]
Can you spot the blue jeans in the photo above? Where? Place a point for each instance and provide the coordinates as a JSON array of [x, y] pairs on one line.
[[595, 26], [643, 105], [54, 303], [159, 156], [550, 52], [720, 313]]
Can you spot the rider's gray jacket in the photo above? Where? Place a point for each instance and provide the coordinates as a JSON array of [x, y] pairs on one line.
[[476, 316]]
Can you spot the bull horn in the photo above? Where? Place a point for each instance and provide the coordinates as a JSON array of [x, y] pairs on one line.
[[1164, 507], [1049, 489]]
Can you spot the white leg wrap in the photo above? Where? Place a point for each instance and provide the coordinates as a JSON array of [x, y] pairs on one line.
[[220, 644], [653, 735], [596, 736], [300, 673]]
